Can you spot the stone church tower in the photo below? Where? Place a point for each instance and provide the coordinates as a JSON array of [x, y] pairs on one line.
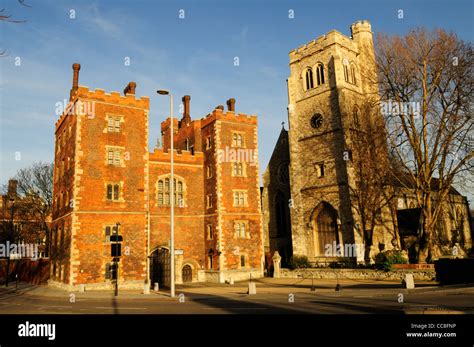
[[329, 77]]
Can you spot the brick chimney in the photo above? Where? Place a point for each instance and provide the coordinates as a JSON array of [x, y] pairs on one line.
[[231, 105], [75, 79], [130, 88], [12, 187], [186, 116]]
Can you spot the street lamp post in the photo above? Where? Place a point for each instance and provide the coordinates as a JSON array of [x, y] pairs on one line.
[[172, 279]]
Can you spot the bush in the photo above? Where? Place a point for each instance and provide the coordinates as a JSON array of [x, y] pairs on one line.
[[299, 262], [385, 260]]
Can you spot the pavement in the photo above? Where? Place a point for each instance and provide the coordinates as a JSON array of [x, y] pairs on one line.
[[279, 296]]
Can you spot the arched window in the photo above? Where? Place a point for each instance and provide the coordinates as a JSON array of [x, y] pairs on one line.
[[345, 66], [353, 74], [309, 79], [320, 74]]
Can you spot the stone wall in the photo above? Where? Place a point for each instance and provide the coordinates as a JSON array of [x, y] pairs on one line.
[[359, 274], [226, 275], [31, 271]]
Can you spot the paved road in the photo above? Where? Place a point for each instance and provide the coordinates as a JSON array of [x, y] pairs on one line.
[[274, 296]]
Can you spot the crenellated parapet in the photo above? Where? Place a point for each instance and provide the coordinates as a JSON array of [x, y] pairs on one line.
[[181, 157], [229, 116]]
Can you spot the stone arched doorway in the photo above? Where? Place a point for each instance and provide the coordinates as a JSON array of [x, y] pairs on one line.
[[160, 267], [325, 229], [187, 273]]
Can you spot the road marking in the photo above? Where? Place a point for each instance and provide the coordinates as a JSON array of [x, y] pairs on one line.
[[60, 306], [363, 296], [245, 308], [122, 308]]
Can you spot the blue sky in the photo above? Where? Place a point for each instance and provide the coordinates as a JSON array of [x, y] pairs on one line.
[[194, 56]]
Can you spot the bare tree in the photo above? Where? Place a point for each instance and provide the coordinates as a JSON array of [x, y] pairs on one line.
[[426, 84], [35, 186], [372, 192], [4, 17]]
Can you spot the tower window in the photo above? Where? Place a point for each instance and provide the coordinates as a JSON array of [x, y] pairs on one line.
[[320, 169], [113, 124], [345, 65], [114, 157], [116, 191], [309, 79], [208, 142], [353, 74], [209, 232], [113, 192], [237, 140], [320, 74], [240, 198], [241, 229], [210, 262], [110, 125], [242, 261], [110, 157], [209, 171], [237, 169], [109, 230], [209, 201]]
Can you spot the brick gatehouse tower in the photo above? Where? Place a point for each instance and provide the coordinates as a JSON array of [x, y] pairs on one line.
[[105, 178]]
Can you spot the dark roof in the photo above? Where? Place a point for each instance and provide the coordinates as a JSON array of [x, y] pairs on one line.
[[404, 180]]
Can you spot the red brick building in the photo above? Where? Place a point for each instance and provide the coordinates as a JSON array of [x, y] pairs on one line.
[[105, 176]]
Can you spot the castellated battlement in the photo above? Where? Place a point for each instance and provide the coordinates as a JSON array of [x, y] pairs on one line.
[[166, 124], [332, 37], [361, 26], [229, 116], [181, 157], [114, 97], [89, 97]]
